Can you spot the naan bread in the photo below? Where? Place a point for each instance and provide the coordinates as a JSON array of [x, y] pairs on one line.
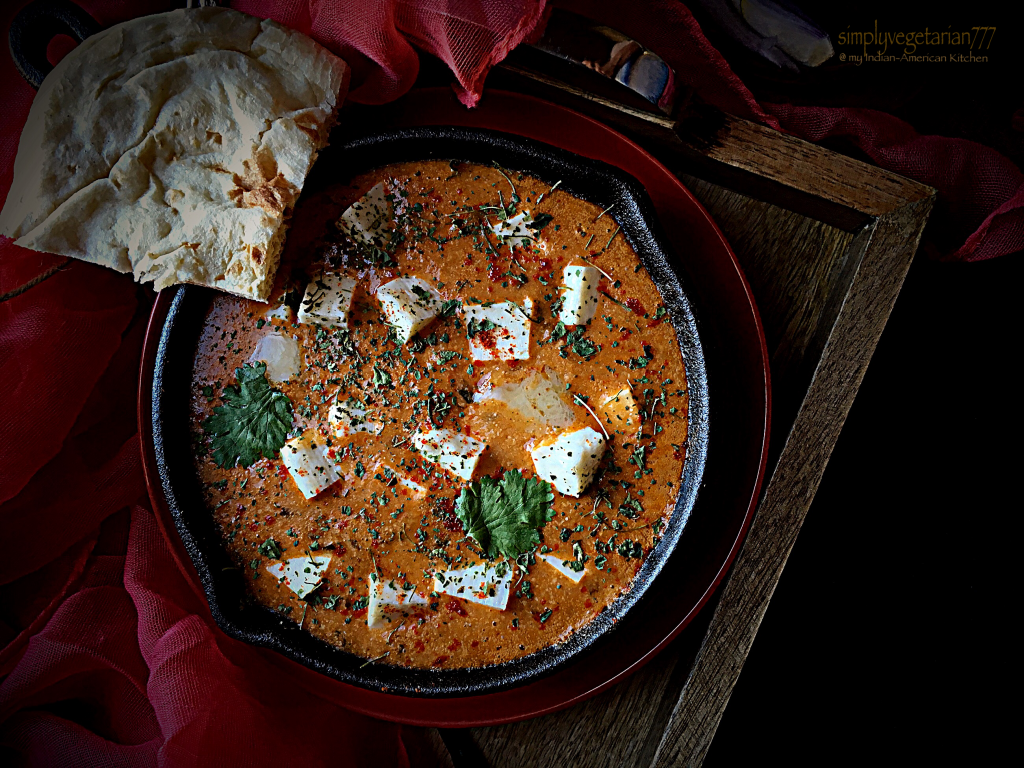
[[174, 146]]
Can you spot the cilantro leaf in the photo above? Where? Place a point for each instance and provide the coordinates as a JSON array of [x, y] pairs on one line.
[[504, 515], [530, 499], [253, 422], [469, 509]]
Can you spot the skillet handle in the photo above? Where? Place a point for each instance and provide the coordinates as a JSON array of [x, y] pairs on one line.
[[36, 25]]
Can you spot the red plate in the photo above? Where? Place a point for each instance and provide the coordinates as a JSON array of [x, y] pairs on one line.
[[738, 381]]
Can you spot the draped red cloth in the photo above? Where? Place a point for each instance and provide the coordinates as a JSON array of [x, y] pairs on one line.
[[108, 657]]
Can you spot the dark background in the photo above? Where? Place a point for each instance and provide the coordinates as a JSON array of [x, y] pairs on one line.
[[889, 637]]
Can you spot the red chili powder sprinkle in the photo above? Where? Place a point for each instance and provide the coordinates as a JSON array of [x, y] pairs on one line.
[[455, 606]]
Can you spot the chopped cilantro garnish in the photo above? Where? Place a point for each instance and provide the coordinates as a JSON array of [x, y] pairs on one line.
[[630, 548], [253, 422], [574, 340], [540, 221], [270, 548], [473, 327], [584, 347], [381, 378]]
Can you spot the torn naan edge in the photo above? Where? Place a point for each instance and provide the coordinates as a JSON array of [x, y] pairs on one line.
[[174, 146]]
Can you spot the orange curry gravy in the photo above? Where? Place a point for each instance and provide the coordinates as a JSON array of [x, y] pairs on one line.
[[366, 522]]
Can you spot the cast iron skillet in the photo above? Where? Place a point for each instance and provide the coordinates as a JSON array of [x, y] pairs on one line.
[[232, 608], [237, 614]]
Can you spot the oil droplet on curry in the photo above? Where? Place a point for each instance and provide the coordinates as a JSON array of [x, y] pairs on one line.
[[483, 412]]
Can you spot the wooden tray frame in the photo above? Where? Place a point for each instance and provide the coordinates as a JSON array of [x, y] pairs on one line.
[[826, 242]]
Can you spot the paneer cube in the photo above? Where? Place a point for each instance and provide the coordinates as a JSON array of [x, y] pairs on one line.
[[328, 300], [300, 574], [368, 219], [308, 465], [281, 354], [498, 331], [393, 477], [388, 602], [409, 304], [538, 399], [486, 585], [279, 314], [515, 232], [619, 410], [455, 452], [564, 567], [346, 418], [579, 294], [570, 461]]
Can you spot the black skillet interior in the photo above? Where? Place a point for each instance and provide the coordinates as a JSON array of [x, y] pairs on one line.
[[239, 615]]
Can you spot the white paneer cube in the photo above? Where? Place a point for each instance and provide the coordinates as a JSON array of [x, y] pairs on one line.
[[457, 453], [328, 300], [570, 460], [486, 585], [619, 410], [281, 354], [308, 465], [579, 294], [514, 231], [348, 418], [563, 567], [369, 218], [388, 601], [538, 398], [389, 474], [278, 314], [300, 574], [499, 331], [409, 304]]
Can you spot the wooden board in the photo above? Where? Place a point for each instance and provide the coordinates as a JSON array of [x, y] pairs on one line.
[[826, 242]]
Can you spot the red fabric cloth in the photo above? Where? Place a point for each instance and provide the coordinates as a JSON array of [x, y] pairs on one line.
[[107, 657], [979, 212], [377, 38]]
